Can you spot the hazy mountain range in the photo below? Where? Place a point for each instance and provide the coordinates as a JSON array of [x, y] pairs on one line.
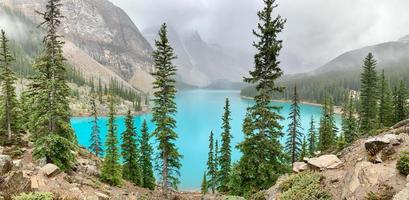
[[200, 63], [102, 41]]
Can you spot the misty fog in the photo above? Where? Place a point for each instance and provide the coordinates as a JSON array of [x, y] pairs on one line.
[[316, 30]]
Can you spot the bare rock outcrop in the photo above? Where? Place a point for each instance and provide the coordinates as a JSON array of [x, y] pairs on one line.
[[362, 167]]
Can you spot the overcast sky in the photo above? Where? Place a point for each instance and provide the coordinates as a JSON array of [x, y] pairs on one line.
[[316, 30]]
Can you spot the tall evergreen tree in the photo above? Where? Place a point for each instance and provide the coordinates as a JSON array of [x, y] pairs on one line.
[[111, 168], [164, 111], [8, 99], [385, 113], [225, 151], [204, 186], [263, 159], [327, 130], [303, 150], [369, 95], [130, 154], [349, 122], [312, 137], [294, 137], [54, 138], [211, 165], [95, 140], [395, 94], [401, 102], [148, 180]]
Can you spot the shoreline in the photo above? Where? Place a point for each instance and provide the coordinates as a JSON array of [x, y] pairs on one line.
[[337, 109], [87, 114]]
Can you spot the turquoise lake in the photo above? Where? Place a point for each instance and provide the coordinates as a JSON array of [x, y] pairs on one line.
[[199, 112]]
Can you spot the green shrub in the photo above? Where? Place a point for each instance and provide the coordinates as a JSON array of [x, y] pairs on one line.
[[403, 163], [34, 196], [57, 150], [304, 186], [385, 192]]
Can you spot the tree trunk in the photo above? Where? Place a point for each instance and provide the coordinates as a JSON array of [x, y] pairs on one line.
[[8, 119], [165, 173]]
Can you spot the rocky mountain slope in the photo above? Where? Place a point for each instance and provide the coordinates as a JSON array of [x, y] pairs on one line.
[[368, 165], [201, 63], [101, 40], [392, 56]]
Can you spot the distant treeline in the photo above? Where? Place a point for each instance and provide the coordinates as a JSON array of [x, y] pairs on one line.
[[314, 88]]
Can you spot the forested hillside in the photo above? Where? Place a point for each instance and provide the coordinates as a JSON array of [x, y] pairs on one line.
[[342, 74]]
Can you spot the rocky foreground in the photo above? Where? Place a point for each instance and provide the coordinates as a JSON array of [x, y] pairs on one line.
[[368, 165], [20, 173]]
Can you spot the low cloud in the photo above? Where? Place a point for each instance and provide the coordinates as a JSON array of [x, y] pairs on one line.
[[316, 30]]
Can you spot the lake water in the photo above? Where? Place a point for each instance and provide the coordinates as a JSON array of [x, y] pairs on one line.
[[199, 112]]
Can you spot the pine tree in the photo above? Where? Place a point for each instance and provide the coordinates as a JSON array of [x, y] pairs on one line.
[[164, 110], [130, 168], [51, 113], [8, 99], [327, 130], [204, 185], [294, 137], [263, 159], [111, 168], [211, 165], [26, 102], [216, 163], [95, 140], [401, 102], [312, 137], [349, 122], [395, 104], [385, 113], [369, 95], [304, 150], [341, 142], [225, 151], [148, 180]]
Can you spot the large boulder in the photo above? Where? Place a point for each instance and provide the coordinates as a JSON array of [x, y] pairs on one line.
[[375, 144], [380, 148], [50, 170], [87, 166], [6, 164], [323, 162], [299, 167]]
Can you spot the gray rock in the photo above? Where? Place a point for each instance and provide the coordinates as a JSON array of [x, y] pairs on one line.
[[325, 162], [299, 167], [376, 144], [102, 196], [40, 162], [18, 164], [6, 164], [403, 194], [50, 170]]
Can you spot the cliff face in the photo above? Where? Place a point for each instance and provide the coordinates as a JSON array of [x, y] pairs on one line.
[[102, 31]]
